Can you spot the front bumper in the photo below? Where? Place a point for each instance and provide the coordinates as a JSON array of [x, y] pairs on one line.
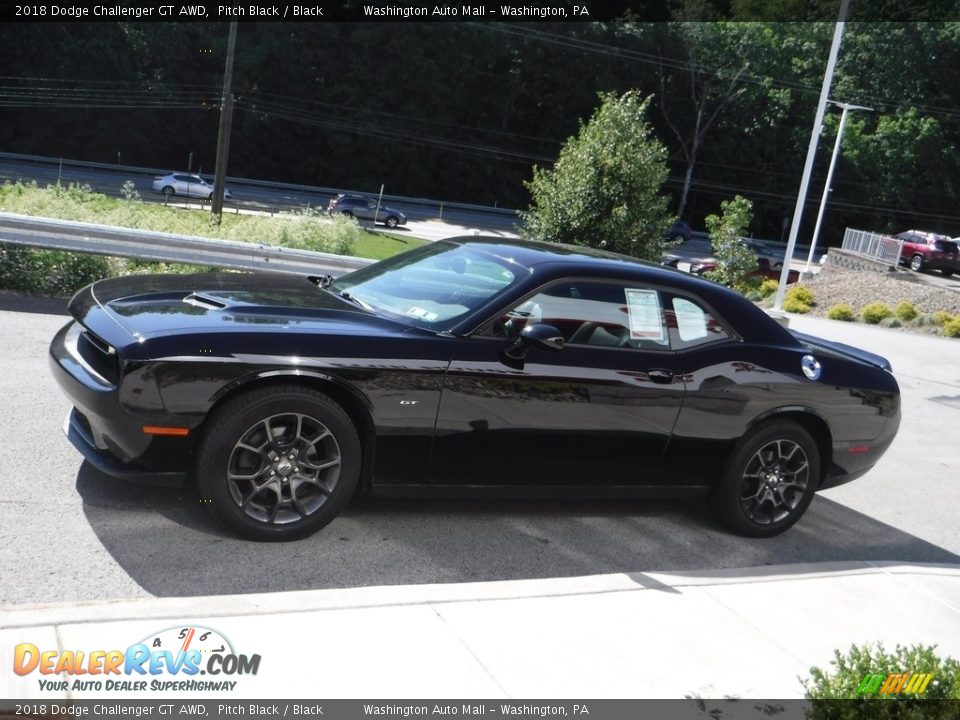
[[108, 435]]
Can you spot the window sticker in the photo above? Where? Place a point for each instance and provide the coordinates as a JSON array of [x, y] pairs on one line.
[[643, 307], [691, 321]]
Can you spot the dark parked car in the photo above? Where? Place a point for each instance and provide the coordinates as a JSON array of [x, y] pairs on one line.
[[364, 208], [929, 251], [472, 365]]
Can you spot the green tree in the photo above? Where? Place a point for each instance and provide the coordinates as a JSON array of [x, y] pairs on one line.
[[605, 188], [734, 259]]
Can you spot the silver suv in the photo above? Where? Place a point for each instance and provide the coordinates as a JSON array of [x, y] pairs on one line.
[[364, 208]]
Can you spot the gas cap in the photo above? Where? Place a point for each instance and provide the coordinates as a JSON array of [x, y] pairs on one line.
[[811, 367]]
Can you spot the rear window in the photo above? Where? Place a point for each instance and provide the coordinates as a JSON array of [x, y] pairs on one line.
[[947, 246]]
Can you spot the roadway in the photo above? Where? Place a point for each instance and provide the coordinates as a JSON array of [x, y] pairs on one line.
[[70, 534], [252, 196]]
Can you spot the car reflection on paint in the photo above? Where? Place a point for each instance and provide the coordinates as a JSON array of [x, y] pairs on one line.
[[470, 365]]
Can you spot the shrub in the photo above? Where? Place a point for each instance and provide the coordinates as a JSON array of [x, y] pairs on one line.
[[735, 261], [941, 318], [891, 322], [841, 311], [798, 300], [952, 328], [906, 311], [850, 670], [801, 294], [795, 306], [49, 272], [768, 287], [875, 312]]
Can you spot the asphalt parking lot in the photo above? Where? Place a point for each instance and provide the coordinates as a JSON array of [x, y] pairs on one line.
[[70, 534]]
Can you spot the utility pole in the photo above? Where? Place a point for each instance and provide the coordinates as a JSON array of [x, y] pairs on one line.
[[833, 163], [226, 120], [811, 153]]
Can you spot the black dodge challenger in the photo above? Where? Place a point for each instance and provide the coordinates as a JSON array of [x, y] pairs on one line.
[[467, 365]]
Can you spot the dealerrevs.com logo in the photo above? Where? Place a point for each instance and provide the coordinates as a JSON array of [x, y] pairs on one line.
[[170, 660]]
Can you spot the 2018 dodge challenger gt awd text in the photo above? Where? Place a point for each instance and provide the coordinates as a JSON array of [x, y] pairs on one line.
[[470, 365]]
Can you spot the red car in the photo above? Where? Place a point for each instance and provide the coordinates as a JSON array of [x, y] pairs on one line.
[[929, 251]]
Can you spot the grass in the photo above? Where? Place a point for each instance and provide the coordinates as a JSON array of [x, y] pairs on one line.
[[54, 272]]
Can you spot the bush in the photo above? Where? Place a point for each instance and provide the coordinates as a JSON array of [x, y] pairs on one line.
[[802, 294], [795, 306], [846, 682], [798, 299], [952, 328], [768, 287], [891, 322], [906, 311], [735, 261], [875, 312], [941, 318], [841, 311], [49, 272]]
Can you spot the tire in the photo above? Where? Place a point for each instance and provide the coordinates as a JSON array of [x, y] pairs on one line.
[[168, 191], [347, 213], [210, 197], [285, 486], [946, 273], [916, 263], [391, 222], [757, 505]]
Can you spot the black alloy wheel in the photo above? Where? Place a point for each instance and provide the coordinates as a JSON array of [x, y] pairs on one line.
[[769, 480], [278, 463]]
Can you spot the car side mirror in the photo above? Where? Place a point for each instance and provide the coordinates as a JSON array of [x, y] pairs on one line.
[[538, 335], [542, 336]]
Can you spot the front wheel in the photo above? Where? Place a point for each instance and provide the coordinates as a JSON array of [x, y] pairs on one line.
[[916, 263], [769, 480], [946, 273], [167, 190], [278, 463], [391, 222]]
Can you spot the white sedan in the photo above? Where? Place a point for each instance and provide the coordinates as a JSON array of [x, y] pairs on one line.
[[187, 185]]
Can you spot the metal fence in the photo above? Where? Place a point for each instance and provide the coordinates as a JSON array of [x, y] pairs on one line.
[[168, 247], [875, 246]]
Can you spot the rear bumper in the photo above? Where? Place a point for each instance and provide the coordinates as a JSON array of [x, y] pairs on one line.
[[852, 460]]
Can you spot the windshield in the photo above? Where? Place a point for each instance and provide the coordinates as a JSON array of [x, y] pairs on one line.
[[431, 285]]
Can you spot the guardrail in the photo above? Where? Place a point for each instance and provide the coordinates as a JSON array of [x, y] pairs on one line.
[[872, 245], [147, 245]]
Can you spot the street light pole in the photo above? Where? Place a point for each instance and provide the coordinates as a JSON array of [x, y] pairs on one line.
[[811, 152], [833, 163]]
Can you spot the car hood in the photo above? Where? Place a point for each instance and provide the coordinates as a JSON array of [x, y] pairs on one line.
[[821, 345], [145, 306]]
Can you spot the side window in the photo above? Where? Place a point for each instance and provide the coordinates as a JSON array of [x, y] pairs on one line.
[[612, 315], [690, 325]]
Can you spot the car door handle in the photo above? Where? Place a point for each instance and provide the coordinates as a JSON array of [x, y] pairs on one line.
[[660, 375]]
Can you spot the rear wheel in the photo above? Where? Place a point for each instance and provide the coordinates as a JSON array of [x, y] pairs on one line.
[[946, 273], [769, 480], [278, 463], [916, 263], [347, 213], [391, 222]]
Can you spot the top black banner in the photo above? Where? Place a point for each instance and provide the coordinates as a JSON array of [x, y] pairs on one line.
[[505, 11]]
